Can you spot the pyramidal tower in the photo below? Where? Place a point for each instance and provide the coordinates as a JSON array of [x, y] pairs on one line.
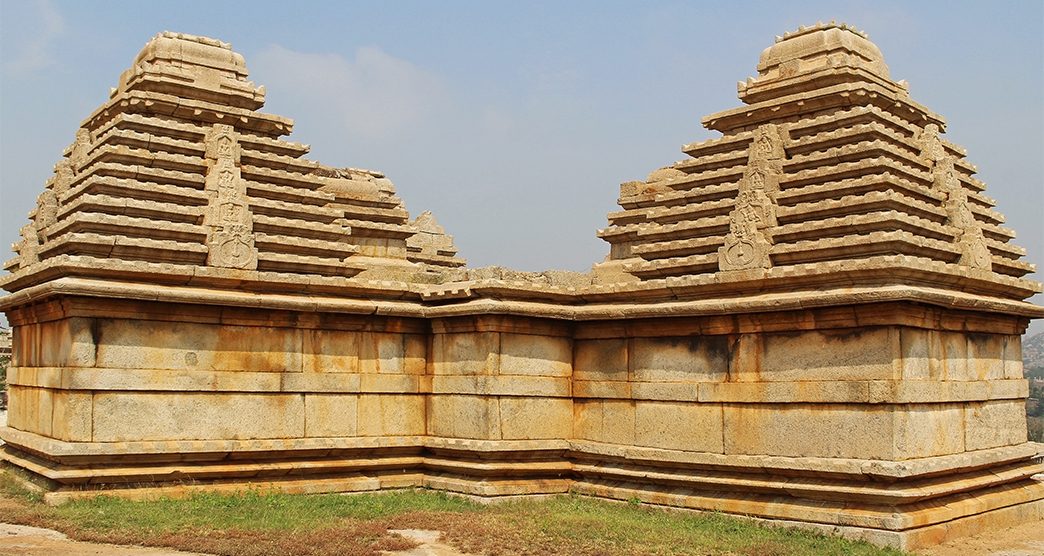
[[179, 176], [829, 172], [815, 318]]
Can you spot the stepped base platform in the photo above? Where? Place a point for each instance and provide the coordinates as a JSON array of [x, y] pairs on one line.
[[905, 505]]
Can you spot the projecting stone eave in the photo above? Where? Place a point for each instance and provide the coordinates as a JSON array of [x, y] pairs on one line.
[[203, 112], [758, 90], [499, 297], [842, 95], [837, 283]]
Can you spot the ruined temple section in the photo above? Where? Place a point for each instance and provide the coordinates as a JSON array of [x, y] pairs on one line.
[[813, 318]]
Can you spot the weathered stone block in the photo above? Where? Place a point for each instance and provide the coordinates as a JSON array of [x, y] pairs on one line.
[[924, 430], [745, 358], [600, 389], [610, 421], [464, 417], [848, 354], [950, 353], [390, 415], [786, 392], [61, 343], [535, 418], [466, 353], [916, 358], [179, 345], [73, 417], [527, 354], [331, 415], [994, 423], [415, 354], [679, 426], [127, 416], [985, 356], [598, 360], [330, 351], [1013, 357], [800, 430], [673, 391], [381, 353], [693, 358]]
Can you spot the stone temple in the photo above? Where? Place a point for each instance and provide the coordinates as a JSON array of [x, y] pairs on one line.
[[814, 318]]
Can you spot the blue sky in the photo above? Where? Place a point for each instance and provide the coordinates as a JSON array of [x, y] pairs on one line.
[[514, 122]]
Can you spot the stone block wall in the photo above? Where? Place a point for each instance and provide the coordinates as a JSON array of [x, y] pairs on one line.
[[155, 372]]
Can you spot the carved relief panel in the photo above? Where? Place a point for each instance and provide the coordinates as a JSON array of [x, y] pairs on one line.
[[748, 242], [230, 236]]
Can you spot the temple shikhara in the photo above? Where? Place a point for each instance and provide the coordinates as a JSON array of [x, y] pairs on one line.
[[814, 318]]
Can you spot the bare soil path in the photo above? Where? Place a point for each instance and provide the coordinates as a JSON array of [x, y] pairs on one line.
[[23, 540], [1025, 540]]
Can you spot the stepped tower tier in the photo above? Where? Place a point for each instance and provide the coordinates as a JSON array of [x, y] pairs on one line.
[[829, 166]]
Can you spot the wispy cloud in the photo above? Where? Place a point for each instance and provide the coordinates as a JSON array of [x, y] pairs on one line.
[[34, 51], [376, 95]]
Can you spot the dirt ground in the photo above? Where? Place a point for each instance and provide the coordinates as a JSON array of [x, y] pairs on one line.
[[24, 541], [1025, 540], [18, 540]]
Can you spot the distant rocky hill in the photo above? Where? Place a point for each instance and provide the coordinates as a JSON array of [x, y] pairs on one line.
[[1033, 355]]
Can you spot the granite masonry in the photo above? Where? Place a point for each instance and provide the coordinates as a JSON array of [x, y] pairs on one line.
[[814, 318]]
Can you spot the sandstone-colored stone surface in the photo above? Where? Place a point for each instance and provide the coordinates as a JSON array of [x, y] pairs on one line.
[[464, 417], [697, 359], [994, 423], [535, 418], [814, 318], [121, 417], [72, 416], [524, 354], [836, 431], [600, 360], [835, 355], [391, 415], [331, 415], [466, 354], [679, 426], [155, 345], [925, 430]]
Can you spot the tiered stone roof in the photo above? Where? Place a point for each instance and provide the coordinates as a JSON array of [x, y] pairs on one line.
[[181, 169], [830, 182], [829, 161]]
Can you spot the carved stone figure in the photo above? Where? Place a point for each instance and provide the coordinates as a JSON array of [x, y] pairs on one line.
[[748, 243], [29, 247], [80, 148], [46, 211], [230, 238], [969, 238]]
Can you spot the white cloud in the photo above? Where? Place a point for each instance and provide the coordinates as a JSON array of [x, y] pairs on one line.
[[34, 51], [376, 95]]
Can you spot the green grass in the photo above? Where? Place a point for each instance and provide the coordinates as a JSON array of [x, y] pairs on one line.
[[252, 510], [255, 523], [596, 526]]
